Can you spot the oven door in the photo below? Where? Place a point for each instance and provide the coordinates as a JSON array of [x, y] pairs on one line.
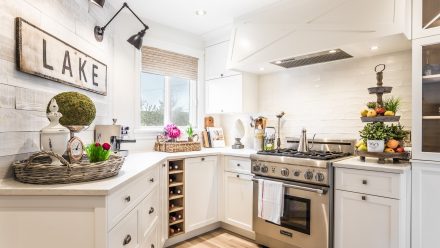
[[305, 221]]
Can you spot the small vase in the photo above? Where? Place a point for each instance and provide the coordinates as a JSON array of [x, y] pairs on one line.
[[190, 139]]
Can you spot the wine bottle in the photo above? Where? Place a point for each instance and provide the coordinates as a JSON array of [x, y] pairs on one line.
[[176, 167], [172, 178], [171, 192], [172, 230], [171, 167], [179, 216], [172, 205], [178, 229], [178, 191]]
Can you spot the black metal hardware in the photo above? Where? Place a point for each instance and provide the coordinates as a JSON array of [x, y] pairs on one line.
[[151, 210], [203, 159], [364, 198], [127, 199], [238, 165], [364, 181], [127, 240], [238, 176], [152, 179]]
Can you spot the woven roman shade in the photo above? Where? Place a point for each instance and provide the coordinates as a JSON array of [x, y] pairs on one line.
[[163, 62]]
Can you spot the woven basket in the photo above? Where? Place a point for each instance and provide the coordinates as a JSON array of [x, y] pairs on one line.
[[178, 146], [38, 169]]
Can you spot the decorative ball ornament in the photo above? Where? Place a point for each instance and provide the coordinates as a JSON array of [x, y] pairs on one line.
[[77, 109]]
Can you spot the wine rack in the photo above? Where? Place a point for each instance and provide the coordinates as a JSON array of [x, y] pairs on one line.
[[176, 202]]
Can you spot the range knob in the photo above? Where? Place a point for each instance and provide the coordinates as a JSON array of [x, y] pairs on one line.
[[264, 169], [308, 175], [285, 172], [297, 173], [319, 177], [256, 167]]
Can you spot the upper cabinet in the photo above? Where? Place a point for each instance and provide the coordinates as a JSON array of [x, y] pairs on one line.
[[426, 18], [426, 102], [215, 61]]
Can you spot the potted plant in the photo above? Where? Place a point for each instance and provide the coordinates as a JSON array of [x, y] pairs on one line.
[[97, 152], [374, 135], [391, 106], [190, 133]]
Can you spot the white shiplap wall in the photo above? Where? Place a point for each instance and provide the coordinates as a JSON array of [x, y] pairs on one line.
[[23, 97]]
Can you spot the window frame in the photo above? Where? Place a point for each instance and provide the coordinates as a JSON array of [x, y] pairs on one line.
[[193, 104]]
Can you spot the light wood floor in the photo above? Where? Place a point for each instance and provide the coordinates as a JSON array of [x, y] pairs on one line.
[[219, 238]]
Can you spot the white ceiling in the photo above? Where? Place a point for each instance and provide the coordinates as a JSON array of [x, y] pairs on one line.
[[180, 14]]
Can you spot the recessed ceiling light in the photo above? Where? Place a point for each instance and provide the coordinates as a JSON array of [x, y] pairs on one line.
[[261, 68], [332, 51], [201, 12], [373, 48], [278, 62]]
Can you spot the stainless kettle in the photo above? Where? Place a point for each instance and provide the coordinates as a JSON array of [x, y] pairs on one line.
[[303, 145]]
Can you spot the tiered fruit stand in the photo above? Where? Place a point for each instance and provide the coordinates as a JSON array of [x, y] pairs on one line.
[[380, 90]]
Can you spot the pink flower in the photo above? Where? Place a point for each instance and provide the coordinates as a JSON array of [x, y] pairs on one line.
[[97, 144], [106, 146], [172, 131]]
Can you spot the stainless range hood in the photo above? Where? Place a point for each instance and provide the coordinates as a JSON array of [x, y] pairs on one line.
[[313, 58]]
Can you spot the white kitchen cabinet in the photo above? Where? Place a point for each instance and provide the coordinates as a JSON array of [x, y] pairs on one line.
[[366, 221], [201, 190], [238, 194], [425, 204], [126, 217], [372, 205], [215, 61], [425, 100], [426, 18], [234, 94]]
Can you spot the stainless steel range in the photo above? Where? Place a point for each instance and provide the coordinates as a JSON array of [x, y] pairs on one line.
[[307, 219]]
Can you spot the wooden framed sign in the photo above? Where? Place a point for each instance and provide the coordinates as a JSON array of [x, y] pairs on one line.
[[42, 54]]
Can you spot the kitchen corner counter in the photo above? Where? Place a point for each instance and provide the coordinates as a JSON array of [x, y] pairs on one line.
[[135, 164], [371, 164]]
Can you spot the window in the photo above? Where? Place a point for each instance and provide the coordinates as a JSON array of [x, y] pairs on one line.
[[168, 88]]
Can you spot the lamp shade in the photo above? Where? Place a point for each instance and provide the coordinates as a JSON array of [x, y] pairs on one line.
[[98, 2], [136, 40]]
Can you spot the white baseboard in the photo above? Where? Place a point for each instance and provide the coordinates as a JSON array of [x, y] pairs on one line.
[[245, 233], [192, 234]]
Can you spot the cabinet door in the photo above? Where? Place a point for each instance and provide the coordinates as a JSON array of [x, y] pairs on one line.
[[238, 195], [224, 95], [215, 61], [200, 192], [425, 205], [365, 221], [426, 18], [426, 103]]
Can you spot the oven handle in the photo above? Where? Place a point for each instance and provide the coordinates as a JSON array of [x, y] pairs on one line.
[[319, 191]]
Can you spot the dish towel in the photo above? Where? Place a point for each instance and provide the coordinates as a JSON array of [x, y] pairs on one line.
[[270, 200]]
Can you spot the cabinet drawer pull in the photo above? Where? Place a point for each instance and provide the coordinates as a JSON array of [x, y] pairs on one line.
[[364, 198], [238, 165], [152, 179], [127, 240], [151, 210], [127, 199], [238, 176], [152, 246], [364, 182], [203, 159]]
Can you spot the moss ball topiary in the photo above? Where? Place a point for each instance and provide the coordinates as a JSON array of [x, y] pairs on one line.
[[77, 109]]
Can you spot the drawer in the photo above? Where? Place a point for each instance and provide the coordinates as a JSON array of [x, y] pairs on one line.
[[125, 199], [201, 159], [152, 240], [125, 235], [239, 165], [368, 182], [148, 213]]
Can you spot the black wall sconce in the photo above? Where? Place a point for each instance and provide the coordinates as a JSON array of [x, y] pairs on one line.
[[135, 40]]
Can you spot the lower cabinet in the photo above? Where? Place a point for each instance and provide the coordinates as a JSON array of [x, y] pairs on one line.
[[372, 208], [238, 195], [201, 189], [425, 205], [365, 221]]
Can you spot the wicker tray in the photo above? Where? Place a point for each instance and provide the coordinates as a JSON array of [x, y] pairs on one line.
[[38, 169], [178, 146]]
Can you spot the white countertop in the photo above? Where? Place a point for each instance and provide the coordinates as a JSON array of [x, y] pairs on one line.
[[372, 165], [134, 165]]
